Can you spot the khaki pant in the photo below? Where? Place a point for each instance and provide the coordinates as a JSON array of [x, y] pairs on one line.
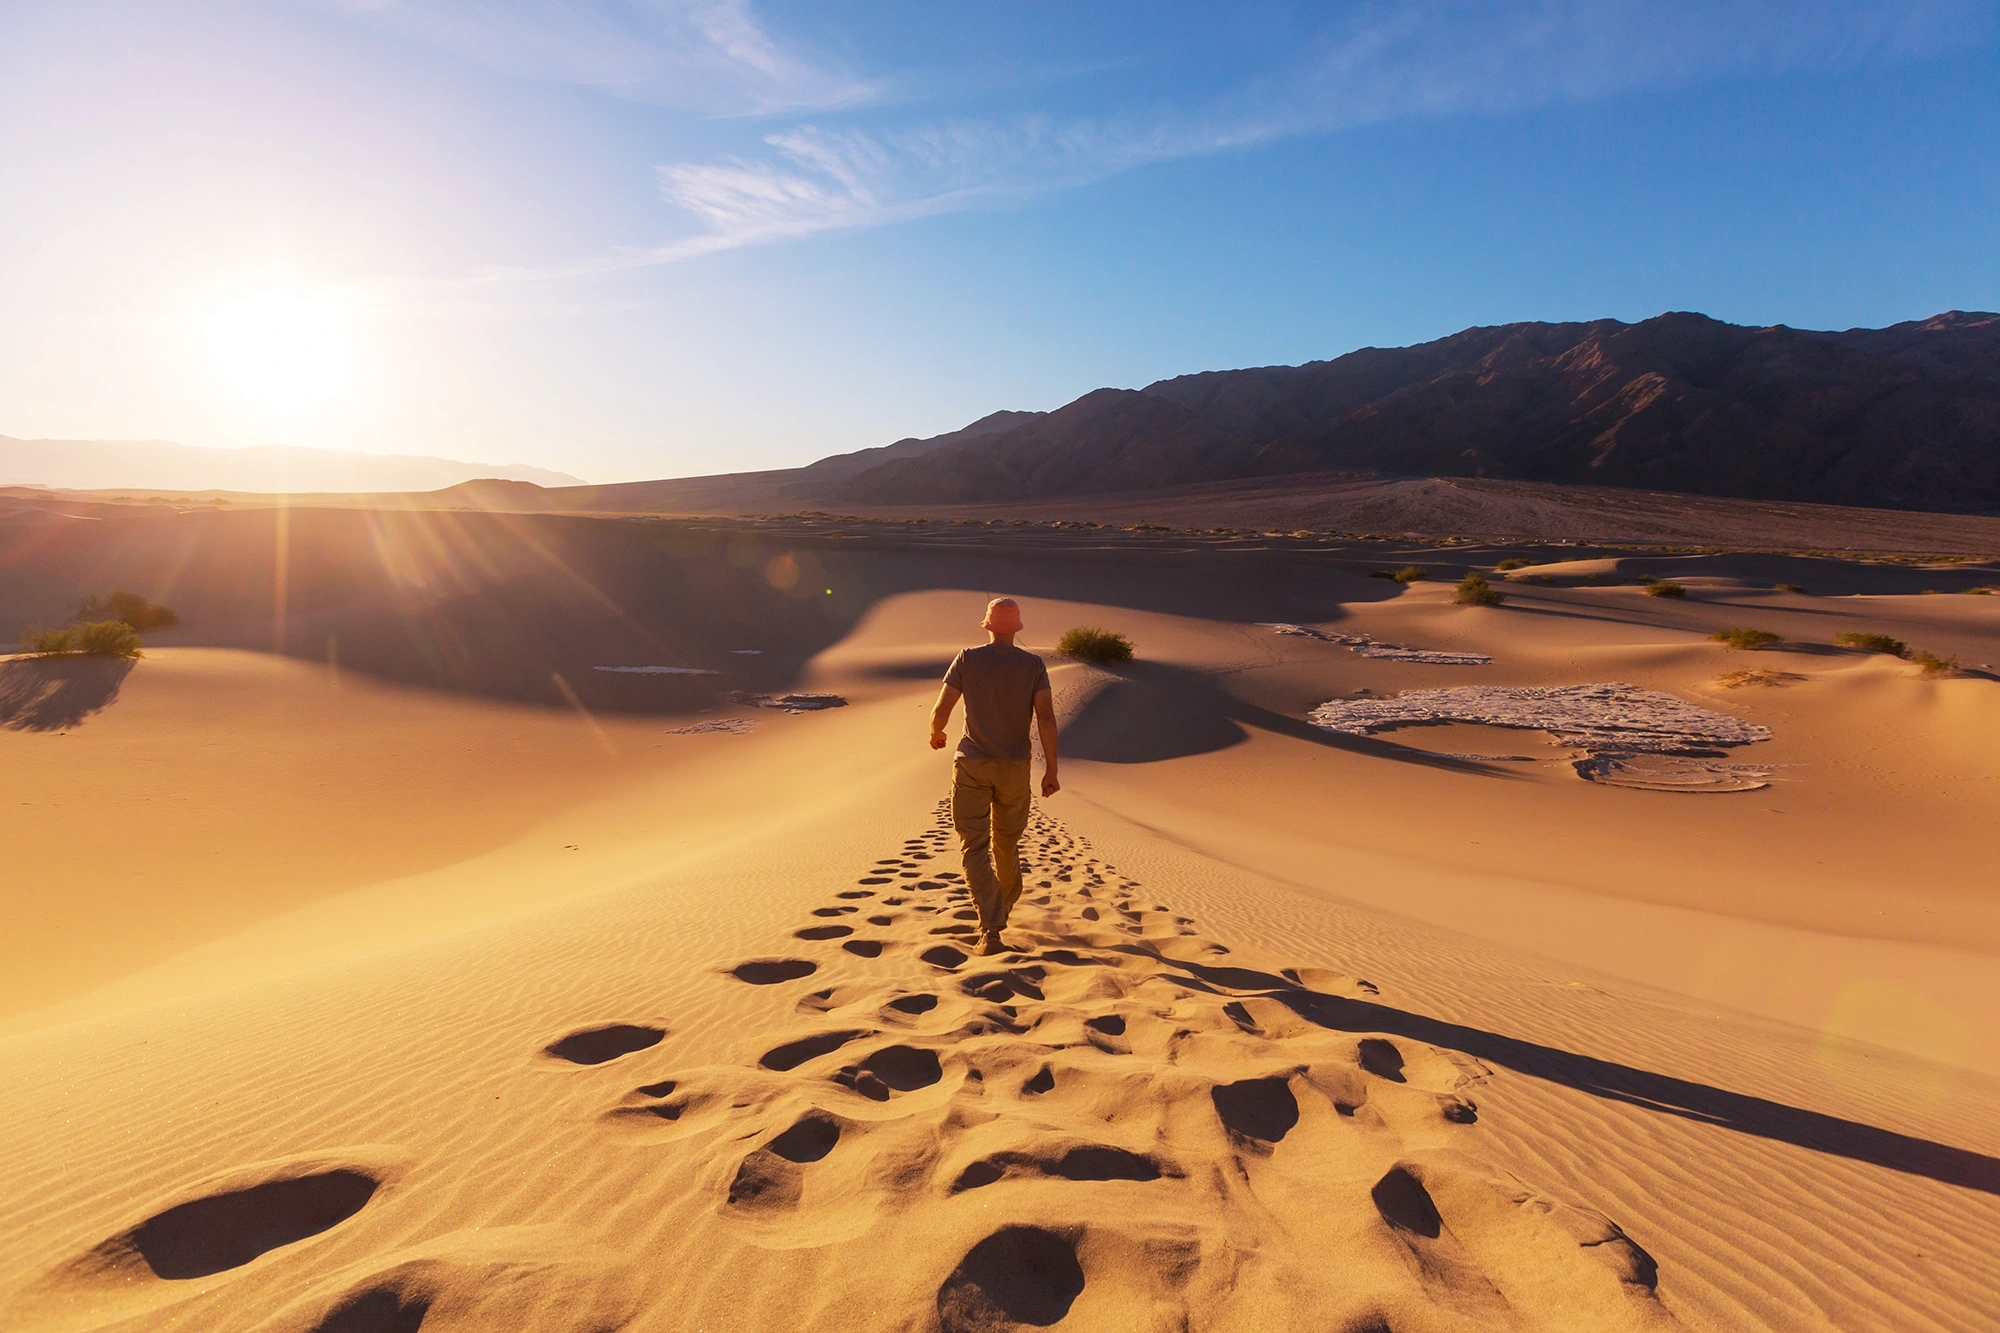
[[989, 807]]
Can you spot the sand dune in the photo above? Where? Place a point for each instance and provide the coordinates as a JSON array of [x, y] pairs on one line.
[[437, 1009]]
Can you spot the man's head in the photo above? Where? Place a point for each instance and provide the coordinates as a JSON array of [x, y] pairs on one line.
[[1003, 616]]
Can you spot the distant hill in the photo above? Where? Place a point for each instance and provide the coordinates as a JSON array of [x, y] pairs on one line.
[[1906, 417], [160, 465]]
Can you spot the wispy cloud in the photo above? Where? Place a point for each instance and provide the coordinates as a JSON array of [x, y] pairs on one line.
[[1376, 62], [707, 56]]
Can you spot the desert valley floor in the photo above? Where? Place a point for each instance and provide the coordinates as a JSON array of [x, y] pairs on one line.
[[338, 1003]]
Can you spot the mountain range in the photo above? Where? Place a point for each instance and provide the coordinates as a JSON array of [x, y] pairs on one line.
[[1905, 417], [161, 465]]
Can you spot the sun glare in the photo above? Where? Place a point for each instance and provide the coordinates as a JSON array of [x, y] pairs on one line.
[[283, 346]]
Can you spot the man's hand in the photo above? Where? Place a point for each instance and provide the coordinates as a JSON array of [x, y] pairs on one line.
[[941, 714], [1049, 784]]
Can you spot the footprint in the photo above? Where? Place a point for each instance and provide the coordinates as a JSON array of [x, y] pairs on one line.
[[913, 1004], [1405, 1204], [834, 911], [1088, 1161], [1382, 1059], [863, 948], [1111, 1025], [771, 971], [225, 1231], [377, 1310], [1263, 1109], [876, 879], [855, 893], [1043, 1081], [595, 1046], [810, 1139], [943, 956], [892, 1069], [795, 1053], [822, 932], [1018, 1275]]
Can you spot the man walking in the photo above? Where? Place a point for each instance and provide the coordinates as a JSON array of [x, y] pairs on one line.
[[1002, 687]]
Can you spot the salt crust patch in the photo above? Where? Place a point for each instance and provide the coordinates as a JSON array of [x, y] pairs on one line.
[[1630, 737], [660, 671], [1367, 647], [733, 726], [788, 703]]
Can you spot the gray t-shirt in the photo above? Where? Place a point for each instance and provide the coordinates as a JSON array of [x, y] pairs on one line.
[[999, 682]]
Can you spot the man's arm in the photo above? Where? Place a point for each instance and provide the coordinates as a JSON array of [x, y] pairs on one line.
[[941, 714], [1045, 723]]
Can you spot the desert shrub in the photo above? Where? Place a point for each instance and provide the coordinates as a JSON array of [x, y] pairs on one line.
[[44, 642], [1406, 575], [1789, 587], [1474, 590], [1095, 645], [1932, 664], [1982, 592], [1757, 676], [1511, 563], [127, 607], [1873, 643], [98, 638], [1749, 639], [1665, 588]]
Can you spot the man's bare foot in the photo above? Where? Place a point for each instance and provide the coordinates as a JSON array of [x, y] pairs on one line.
[[993, 943]]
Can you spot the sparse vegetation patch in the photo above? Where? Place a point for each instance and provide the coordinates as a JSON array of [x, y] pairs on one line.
[[98, 638], [1757, 676], [1511, 563], [1790, 587], [1665, 588], [127, 608], [1748, 639], [1872, 643], [1090, 644], [1408, 574], [1474, 590], [1932, 664]]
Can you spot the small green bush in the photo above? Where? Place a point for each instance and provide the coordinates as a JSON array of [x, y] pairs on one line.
[[1873, 643], [1473, 590], [45, 642], [1748, 639], [127, 607], [1511, 563], [1406, 575], [1665, 588], [1932, 664], [1095, 645], [99, 638]]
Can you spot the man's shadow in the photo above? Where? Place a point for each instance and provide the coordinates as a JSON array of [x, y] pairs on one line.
[[56, 693], [1661, 1093]]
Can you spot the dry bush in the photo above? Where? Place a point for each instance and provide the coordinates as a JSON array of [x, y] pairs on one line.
[[1091, 644], [1932, 664], [1790, 587], [1408, 574], [1872, 643], [1758, 676], [98, 638], [1474, 590], [1665, 588], [1511, 563], [1748, 639], [126, 607]]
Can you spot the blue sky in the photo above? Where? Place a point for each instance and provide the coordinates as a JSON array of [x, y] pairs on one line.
[[672, 237]]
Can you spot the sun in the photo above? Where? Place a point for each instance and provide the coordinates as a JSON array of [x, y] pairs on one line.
[[282, 346]]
